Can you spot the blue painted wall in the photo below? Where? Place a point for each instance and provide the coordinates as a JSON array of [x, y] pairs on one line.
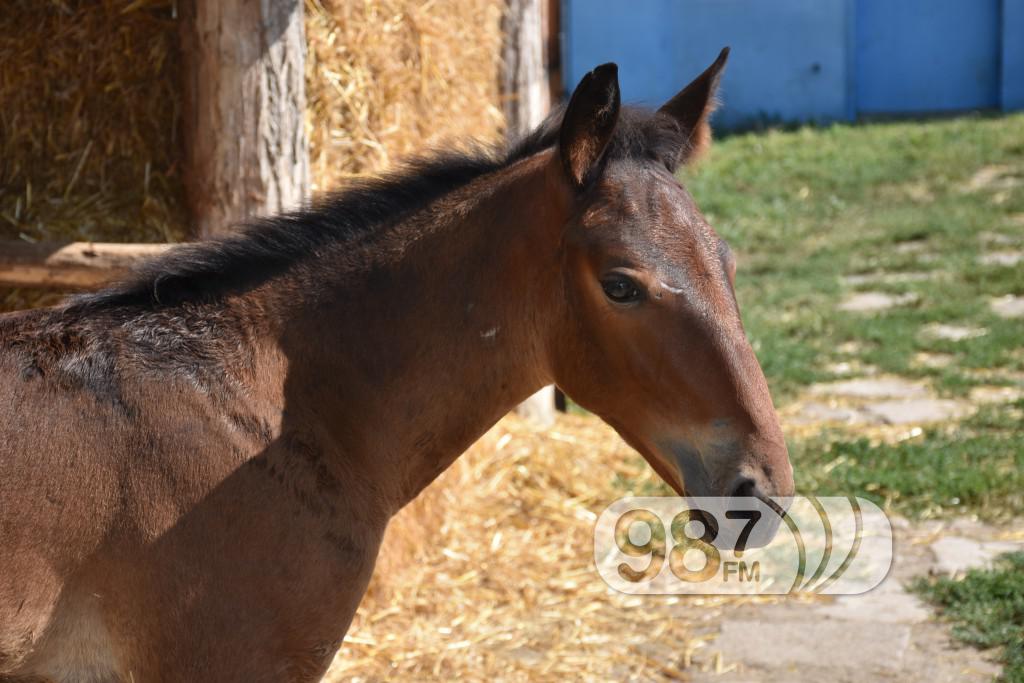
[[808, 60], [637, 35], [1012, 92], [789, 58], [927, 55]]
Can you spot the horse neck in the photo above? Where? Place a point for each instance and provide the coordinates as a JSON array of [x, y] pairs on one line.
[[446, 327]]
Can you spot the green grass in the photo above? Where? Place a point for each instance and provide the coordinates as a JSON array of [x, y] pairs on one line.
[[977, 467], [802, 209], [987, 609]]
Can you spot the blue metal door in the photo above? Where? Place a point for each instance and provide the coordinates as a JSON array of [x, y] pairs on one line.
[[927, 55], [799, 60], [790, 58]]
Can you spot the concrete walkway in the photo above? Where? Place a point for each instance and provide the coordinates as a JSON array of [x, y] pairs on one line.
[[886, 634]]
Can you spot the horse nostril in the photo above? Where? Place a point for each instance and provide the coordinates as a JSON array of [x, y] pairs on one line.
[[743, 487]]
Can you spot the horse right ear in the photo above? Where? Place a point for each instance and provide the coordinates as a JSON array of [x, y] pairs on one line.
[[693, 106], [588, 124]]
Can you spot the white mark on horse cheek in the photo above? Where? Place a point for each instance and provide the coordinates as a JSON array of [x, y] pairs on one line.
[[490, 334], [670, 288]]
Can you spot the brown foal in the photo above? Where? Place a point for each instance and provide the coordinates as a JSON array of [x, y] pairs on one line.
[[197, 467]]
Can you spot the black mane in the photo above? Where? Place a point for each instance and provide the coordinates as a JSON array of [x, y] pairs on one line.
[[266, 247]]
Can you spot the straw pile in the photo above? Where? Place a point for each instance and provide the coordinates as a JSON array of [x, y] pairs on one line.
[[387, 78], [490, 575], [88, 141]]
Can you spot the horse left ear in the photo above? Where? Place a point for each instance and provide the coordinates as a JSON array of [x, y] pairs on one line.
[[692, 108], [588, 124]]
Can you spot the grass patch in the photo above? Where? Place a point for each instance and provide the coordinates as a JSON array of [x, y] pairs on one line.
[[806, 208], [974, 467], [986, 608]]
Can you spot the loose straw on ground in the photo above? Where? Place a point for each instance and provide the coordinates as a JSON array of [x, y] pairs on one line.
[[490, 575]]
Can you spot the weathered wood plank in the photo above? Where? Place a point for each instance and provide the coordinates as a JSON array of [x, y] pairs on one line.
[[75, 265]]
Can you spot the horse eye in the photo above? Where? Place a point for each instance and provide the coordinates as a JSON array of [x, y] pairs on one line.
[[620, 289]]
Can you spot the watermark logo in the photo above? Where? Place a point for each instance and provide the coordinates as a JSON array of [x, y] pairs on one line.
[[743, 546]]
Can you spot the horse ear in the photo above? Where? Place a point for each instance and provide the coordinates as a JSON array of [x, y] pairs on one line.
[[692, 108], [588, 124]]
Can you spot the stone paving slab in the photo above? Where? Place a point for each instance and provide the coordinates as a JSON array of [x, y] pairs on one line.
[[781, 643], [881, 400], [993, 177], [925, 359], [886, 634], [1008, 306], [1005, 258], [989, 237], [917, 411], [871, 387], [954, 555], [888, 278], [869, 302], [995, 394], [815, 412], [882, 605], [952, 332], [851, 367]]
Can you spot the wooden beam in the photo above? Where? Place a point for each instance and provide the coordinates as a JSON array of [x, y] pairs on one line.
[[78, 265]]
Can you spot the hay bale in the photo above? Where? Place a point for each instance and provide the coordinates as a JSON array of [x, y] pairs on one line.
[[88, 127], [387, 78], [89, 130]]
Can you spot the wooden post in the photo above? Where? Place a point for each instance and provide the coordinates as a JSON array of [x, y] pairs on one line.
[[246, 151], [553, 48], [526, 97], [524, 83]]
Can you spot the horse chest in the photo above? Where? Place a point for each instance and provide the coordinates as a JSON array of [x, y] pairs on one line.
[[78, 645]]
